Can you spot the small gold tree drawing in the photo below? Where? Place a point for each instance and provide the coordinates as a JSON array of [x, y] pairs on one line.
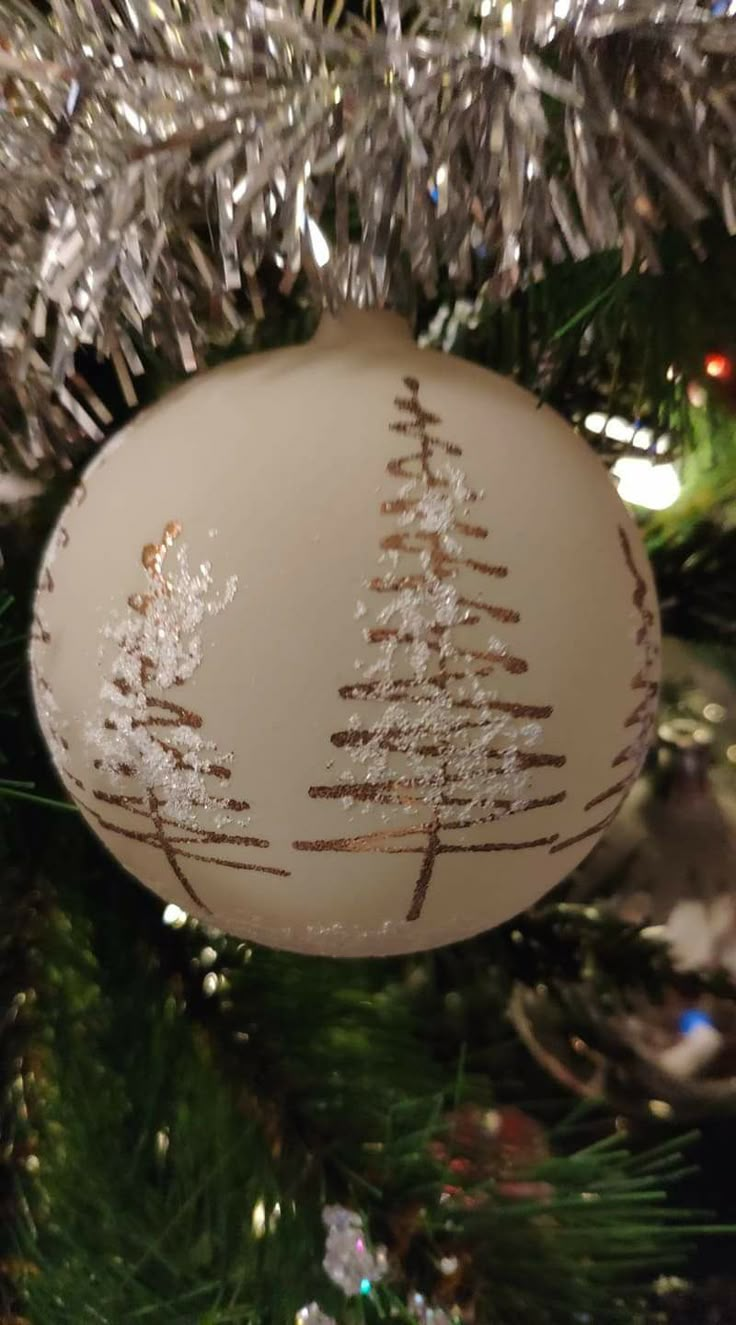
[[439, 749], [143, 738], [639, 723]]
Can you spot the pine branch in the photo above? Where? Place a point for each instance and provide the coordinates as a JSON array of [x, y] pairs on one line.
[[188, 1146], [569, 944]]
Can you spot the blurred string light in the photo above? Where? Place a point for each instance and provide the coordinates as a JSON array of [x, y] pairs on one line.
[[714, 712], [696, 394], [660, 1109], [626, 432], [693, 1019], [718, 366], [258, 1219], [621, 430], [162, 1143], [641, 482], [174, 916], [700, 1042]]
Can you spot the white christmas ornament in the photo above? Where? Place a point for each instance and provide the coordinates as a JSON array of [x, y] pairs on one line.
[[349, 648]]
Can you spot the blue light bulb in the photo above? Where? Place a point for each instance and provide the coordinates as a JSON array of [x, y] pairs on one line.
[[690, 1021], [365, 1287]]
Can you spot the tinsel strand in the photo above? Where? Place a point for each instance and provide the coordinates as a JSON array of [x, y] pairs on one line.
[[154, 157]]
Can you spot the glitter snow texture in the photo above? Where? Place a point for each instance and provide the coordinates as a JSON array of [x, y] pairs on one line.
[[440, 744], [158, 646], [167, 776], [421, 652]]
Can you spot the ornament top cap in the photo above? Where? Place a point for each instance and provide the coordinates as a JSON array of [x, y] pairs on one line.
[[365, 324]]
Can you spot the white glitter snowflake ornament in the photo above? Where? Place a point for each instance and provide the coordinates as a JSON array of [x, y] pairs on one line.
[[348, 1261]]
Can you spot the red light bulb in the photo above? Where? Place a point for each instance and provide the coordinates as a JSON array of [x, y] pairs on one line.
[[718, 366]]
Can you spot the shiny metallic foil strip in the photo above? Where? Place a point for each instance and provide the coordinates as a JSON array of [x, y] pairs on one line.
[[156, 156]]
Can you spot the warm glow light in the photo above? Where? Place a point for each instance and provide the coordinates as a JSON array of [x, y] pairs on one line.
[[258, 1219], [595, 422], [174, 916], [642, 483], [714, 712], [696, 394], [643, 439], [619, 430], [660, 1109], [719, 366]]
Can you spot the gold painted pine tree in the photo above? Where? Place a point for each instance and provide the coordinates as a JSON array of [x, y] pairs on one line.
[[640, 723], [147, 742], [434, 750]]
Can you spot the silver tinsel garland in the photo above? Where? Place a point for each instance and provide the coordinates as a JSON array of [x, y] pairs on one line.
[[155, 154], [349, 1261], [353, 1267]]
